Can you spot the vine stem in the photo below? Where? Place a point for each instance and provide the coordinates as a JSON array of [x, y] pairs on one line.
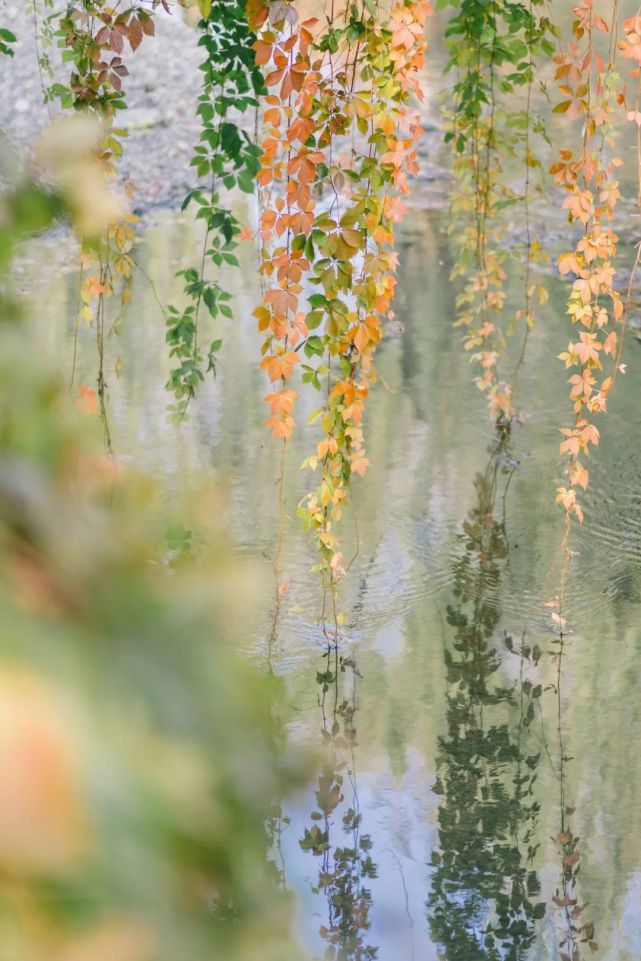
[[528, 232], [154, 289], [36, 37], [74, 356], [100, 342], [276, 561]]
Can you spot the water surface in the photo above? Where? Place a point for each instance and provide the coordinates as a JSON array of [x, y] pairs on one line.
[[449, 760]]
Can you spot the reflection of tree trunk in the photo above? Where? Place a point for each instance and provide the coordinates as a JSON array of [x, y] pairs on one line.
[[481, 904], [421, 249]]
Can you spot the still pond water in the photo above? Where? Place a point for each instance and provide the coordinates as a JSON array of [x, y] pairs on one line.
[[447, 765]]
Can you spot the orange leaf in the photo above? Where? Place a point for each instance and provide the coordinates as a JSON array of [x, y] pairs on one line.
[[280, 365], [87, 400]]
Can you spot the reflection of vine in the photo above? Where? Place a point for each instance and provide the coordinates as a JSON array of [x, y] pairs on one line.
[[576, 930], [482, 904], [344, 868], [276, 821]]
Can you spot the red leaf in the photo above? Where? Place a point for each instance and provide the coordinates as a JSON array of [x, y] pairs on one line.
[[115, 41], [135, 33]]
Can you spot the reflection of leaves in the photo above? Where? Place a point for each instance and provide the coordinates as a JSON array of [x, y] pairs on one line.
[[343, 868], [325, 678], [315, 840], [574, 935], [482, 903], [329, 794]]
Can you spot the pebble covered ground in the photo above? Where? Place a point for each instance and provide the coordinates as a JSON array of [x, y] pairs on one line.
[[161, 90]]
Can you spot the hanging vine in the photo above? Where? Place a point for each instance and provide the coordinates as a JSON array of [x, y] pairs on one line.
[[589, 86], [92, 37], [43, 38], [227, 157], [494, 49], [339, 143], [591, 93]]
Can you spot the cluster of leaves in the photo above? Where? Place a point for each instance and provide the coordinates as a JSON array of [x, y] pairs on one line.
[[494, 48], [484, 886], [343, 869], [92, 36], [588, 83], [339, 141], [7, 38], [227, 158], [577, 931]]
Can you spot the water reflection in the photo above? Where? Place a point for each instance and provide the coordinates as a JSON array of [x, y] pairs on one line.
[[578, 931], [276, 821], [484, 897], [422, 470], [335, 832]]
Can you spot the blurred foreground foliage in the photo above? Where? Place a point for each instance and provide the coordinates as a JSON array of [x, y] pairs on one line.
[[136, 762]]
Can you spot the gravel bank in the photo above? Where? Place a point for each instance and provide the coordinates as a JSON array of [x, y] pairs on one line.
[[161, 91]]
